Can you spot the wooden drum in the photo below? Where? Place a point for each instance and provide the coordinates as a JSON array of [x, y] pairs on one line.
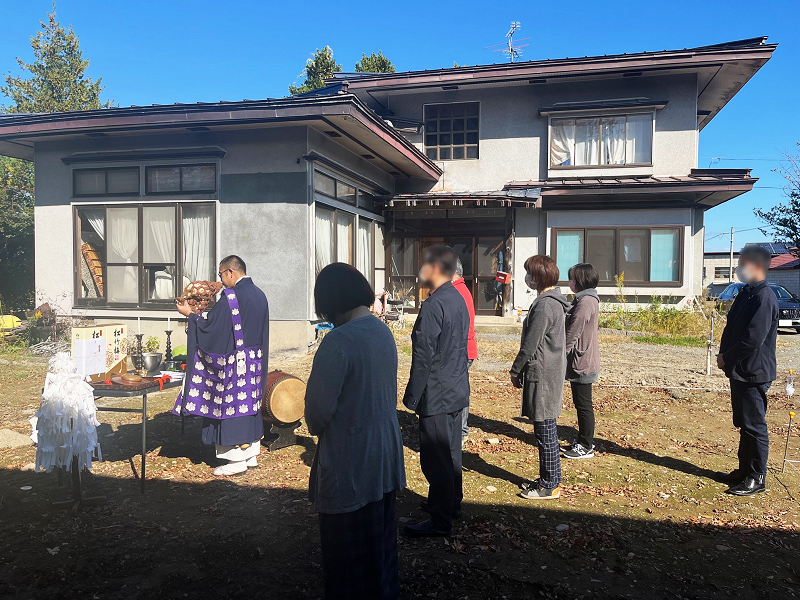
[[284, 398]]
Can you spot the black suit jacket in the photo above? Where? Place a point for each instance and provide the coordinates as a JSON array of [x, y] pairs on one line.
[[748, 341], [439, 381]]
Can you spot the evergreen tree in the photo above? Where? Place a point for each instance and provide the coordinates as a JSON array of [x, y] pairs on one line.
[[374, 63], [55, 81], [320, 67]]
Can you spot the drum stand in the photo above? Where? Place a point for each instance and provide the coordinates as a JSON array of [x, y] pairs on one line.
[[281, 436]]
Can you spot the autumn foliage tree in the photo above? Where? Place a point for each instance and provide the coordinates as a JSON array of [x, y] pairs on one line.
[[55, 81]]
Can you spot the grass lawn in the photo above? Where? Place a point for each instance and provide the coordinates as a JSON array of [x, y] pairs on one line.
[[642, 520]]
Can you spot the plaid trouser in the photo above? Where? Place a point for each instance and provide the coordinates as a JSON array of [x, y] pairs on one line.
[[549, 458]]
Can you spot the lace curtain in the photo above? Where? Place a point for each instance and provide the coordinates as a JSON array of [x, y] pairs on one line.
[[323, 221]]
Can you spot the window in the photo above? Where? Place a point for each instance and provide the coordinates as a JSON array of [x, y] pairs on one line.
[[722, 272], [644, 254], [364, 250], [343, 192], [451, 131], [343, 237], [181, 179], [105, 182], [142, 255], [601, 141]]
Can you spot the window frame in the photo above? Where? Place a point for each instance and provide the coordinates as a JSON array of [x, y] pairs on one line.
[[601, 115], [143, 302], [438, 146], [180, 167], [618, 249], [357, 218], [105, 170]]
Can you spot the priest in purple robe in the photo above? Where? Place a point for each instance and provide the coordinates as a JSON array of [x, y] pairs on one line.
[[226, 368]]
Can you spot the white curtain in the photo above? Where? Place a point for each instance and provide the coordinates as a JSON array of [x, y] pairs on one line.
[[123, 234], [159, 242], [364, 248], [587, 141], [96, 218], [613, 140], [323, 221], [344, 237], [159, 247], [198, 243], [562, 142], [639, 138]]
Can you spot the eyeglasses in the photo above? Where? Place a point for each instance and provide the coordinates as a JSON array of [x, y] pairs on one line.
[[223, 272]]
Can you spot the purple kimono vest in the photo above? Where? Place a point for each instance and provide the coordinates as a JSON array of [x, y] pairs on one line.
[[223, 386]]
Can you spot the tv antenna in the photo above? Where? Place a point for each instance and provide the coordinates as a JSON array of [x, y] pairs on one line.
[[509, 48]]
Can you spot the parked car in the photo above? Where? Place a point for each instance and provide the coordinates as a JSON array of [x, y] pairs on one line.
[[788, 303]]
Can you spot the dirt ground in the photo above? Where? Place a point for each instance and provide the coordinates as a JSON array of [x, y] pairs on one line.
[[641, 520]]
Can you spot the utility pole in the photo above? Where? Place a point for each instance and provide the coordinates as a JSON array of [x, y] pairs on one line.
[[730, 269]]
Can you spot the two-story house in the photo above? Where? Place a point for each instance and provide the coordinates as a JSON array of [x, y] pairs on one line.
[[589, 160]]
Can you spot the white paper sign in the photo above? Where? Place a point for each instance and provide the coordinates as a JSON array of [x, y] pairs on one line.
[[90, 356]]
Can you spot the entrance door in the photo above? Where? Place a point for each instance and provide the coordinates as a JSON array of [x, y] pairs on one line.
[[481, 258]]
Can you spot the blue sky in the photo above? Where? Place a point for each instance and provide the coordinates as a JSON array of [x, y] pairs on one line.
[[187, 51]]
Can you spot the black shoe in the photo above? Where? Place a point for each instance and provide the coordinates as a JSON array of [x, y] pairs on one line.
[[735, 477], [748, 487], [424, 529], [457, 513]]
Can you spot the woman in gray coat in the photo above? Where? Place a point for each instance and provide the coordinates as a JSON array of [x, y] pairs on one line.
[[539, 371], [351, 405], [583, 354]]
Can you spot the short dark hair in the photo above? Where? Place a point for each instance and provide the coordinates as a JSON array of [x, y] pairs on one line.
[[756, 254], [584, 275], [339, 289], [234, 263], [442, 256], [543, 270]]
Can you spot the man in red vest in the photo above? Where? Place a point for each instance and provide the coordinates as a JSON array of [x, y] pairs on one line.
[[472, 345]]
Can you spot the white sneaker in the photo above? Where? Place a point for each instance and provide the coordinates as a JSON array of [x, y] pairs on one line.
[[232, 468], [252, 462]]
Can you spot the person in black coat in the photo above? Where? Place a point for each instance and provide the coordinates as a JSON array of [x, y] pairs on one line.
[[438, 389], [747, 355]]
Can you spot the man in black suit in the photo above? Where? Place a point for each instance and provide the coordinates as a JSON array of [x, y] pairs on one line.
[[747, 355], [438, 389]]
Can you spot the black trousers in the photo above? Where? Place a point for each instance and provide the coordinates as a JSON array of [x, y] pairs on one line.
[[582, 398], [359, 552], [749, 403], [440, 459]]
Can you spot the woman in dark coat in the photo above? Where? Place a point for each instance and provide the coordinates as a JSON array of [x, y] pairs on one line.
[[539, 371], [583, 354], [351, 404]]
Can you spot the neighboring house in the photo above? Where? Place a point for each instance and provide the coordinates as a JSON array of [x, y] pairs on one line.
[[717, 270], [587, 159], [785, 270]]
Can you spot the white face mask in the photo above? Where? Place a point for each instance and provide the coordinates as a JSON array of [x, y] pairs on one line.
[[529, 282], [745, 274]]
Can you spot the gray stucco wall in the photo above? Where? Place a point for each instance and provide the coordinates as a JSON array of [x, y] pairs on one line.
[[514, 137]]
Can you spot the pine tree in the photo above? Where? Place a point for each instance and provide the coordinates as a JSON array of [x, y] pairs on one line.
[[55, 81], [320, 67], [374, 63]]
